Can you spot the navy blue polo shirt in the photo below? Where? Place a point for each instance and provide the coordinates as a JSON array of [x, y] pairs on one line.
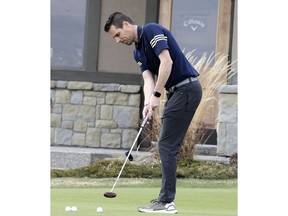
[[152, 39]]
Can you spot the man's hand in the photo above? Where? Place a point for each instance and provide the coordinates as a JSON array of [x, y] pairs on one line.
[[153, 103]]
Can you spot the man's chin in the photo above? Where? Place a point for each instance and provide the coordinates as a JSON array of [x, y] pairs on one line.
[[129, 44]]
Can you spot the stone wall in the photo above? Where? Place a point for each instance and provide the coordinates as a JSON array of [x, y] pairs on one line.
[[90, 114], [227, 121]]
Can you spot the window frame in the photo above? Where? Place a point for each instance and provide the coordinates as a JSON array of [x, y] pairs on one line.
[[90, 71]]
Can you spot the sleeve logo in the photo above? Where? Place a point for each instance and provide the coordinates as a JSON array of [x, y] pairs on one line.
[[157, 38]]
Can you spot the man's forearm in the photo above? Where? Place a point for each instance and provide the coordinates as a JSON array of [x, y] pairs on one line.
[[164, 70], [148, 91], [149, 85], [164, 73]]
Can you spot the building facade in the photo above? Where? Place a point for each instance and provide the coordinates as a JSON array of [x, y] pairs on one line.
[[96, 93]]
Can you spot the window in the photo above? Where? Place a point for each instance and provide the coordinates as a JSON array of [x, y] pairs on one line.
[[194, 25], [67, 33], [82, 51]]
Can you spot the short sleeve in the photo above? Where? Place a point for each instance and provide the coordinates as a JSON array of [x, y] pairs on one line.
[[157, 38]]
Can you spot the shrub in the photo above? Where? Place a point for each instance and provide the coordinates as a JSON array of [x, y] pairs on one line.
[[186, 169]]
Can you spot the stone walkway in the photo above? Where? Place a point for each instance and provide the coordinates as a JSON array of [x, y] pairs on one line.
[[75, 157]]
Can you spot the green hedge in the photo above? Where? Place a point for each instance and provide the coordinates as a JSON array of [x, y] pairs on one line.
[[186, 169]]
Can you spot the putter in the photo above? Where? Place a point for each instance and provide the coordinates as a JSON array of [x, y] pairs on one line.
[[112, 194]]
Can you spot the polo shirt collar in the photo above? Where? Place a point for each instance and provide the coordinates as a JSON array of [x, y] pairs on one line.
[[139, 35]]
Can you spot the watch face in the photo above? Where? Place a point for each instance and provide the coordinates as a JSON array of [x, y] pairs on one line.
[[156, 94]]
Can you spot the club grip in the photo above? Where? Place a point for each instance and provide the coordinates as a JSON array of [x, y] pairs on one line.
[[144, 121]]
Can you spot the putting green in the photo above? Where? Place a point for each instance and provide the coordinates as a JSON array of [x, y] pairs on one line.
[[189, 201]]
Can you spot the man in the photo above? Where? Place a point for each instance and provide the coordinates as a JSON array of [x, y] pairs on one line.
[[158, 54]]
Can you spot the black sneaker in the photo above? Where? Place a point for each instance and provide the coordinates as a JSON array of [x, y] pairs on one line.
[[157, 206]]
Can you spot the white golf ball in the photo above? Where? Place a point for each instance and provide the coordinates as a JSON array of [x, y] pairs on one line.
[[74, 208], [99, 209], [68, 208]]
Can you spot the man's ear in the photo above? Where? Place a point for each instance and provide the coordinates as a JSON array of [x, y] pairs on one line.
[[125, 24]]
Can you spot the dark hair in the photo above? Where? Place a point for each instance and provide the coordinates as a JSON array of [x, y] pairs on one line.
[[117, 19]]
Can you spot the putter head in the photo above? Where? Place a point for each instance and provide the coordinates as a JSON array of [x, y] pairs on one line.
[[110, 194], [130, 156]]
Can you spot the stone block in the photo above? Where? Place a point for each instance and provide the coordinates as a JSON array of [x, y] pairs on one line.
[[227, 139], [105, 130], [57, 109], [70, 112], [128, 138], [117, 130], [98, 111], [91, 124], [63, 136], [62, 96], [206, 149], [106, 112], [52, 84], [117, 99], [100, 101], [221, 138], [76, 97], [52, 96], [67, 124], [231, 136], [228, 100], [227, 121], [78, 139], [126, 117], [79, 85], [228, 89], [93, 137], [80, 126], [94, 94], [90, 101], [109, 140], [129, 88], [86, 113], [104, 87], [227, 114], [55, 120], [105, 124], [61, 84], [134, 100]]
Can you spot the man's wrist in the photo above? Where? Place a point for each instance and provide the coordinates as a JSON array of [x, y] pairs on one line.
[[157, 94]]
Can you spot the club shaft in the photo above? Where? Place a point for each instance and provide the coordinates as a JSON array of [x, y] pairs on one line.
[[141, 128]]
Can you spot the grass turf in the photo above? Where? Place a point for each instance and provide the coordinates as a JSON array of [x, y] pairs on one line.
[[205, 199]]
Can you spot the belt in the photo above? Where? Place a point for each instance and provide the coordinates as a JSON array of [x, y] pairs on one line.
[[188, 80]]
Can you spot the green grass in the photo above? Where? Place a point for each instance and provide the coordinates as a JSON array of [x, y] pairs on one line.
[[186, 169], [194, 197]]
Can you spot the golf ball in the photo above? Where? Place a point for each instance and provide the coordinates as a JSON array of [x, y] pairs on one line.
[[68, 208], [74, 208], [99, 209]]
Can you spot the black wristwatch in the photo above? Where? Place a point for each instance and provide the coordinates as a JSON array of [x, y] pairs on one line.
[[157, 94]]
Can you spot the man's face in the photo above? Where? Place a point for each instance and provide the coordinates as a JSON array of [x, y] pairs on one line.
[[122, 35]]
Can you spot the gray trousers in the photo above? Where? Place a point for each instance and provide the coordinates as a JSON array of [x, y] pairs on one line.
[[177, 116]]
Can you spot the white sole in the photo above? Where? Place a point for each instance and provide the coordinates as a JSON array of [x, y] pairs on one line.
[[159, 211]]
